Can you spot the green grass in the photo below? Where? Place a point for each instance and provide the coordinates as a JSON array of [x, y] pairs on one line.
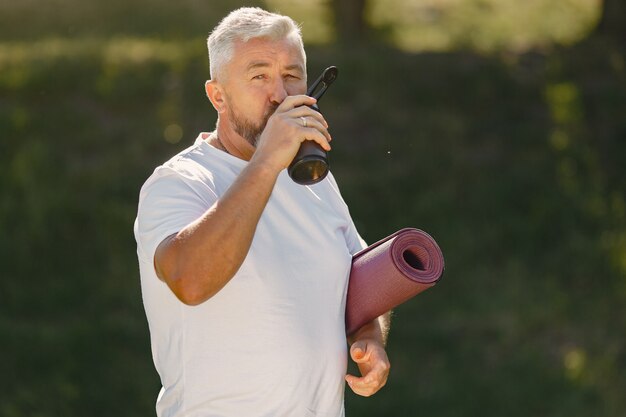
[[513, 162]]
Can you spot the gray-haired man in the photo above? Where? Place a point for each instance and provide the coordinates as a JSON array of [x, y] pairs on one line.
[[244, 272]]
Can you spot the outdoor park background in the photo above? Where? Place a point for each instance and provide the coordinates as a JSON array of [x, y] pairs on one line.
[[498, 126]]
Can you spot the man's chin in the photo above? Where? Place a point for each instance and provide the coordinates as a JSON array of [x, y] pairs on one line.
[[250, 133]]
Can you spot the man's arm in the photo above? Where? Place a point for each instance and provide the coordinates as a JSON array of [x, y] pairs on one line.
[[368, 351], [200, 259]]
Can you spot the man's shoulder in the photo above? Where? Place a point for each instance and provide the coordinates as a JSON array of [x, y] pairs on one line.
[[189, 158], [189, 165]]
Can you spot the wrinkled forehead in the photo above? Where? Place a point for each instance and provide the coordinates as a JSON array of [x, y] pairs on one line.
[[286, 52]]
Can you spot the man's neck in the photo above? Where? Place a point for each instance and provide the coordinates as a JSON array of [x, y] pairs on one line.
[[230, 142], [214, 140]]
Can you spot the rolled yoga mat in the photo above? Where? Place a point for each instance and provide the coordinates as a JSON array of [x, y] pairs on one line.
[[390, 272]]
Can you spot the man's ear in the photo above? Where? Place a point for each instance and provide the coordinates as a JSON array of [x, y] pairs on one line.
[[216, 95]]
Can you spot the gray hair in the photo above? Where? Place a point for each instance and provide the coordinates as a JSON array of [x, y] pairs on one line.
[[244, 24]]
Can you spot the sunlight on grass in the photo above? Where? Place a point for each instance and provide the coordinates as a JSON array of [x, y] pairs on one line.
[[559, 140], [20, 61], [15, 53], [139, 51], [116, 50], [314, 16], [574, 362], [513, 161], [444, 25], [173, 133], [412, 25], [483, 25], [564, 101]]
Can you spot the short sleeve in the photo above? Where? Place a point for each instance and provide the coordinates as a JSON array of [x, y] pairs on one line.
[[354, 241], [168, 202]]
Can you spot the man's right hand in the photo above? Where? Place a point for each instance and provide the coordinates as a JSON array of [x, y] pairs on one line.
[[286, 130]]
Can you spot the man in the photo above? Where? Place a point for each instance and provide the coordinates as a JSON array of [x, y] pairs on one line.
[[244, 272]]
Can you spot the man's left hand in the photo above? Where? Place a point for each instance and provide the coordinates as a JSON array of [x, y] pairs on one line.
[[373, 363]]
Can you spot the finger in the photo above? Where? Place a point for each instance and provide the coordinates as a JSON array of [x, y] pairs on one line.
[[305, 111], [373, 378], [291, 102], [378, 376], [311, 129], [363, 387], [315, 124], [306, 120], [381, 369], [369, 378], [359, 352], [310, 133], [357, 384]]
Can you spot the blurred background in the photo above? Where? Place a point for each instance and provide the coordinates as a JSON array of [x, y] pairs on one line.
[[498, 126]]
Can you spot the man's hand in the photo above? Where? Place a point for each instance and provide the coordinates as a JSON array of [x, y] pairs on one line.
[[370, 356], [292, 123]]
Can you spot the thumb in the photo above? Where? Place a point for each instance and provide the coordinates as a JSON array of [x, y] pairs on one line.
[[357, 350]]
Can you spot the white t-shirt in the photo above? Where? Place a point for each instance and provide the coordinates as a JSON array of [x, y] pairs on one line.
[[272, 341]]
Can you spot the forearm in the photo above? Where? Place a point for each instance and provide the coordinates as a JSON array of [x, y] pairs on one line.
[[377, 329], [199, 260]]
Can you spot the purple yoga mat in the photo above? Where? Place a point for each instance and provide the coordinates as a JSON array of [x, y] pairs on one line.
[[389, 272]]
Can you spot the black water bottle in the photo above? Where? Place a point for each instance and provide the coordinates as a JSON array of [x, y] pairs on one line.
[[310, 165]]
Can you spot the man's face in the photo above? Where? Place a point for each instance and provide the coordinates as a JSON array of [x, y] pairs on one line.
[[261, 74]]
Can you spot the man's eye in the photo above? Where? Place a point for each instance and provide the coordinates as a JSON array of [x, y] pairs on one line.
[[259, 77], [292, 77]]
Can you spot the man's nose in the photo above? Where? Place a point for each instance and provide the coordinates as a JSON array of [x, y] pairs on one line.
[[278, 92]]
